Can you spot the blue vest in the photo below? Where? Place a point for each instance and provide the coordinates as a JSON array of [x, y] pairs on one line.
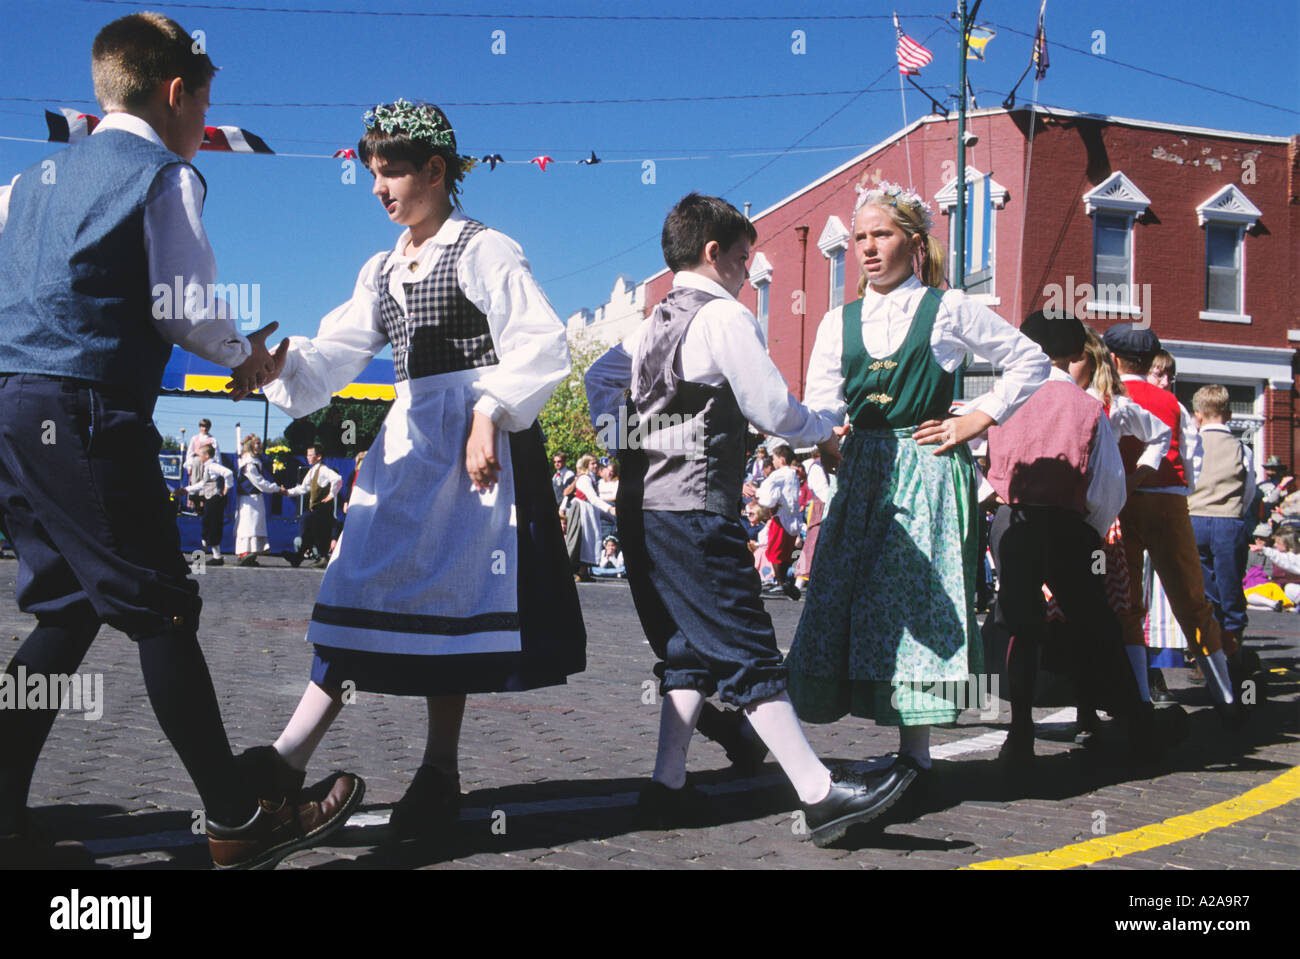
[[75, 298]]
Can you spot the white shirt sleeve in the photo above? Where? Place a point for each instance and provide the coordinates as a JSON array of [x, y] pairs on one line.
[[1107, 485], [1024, 366], [304, 486], [1248, 498], [817, 481], [1129, 419], [180, 257], [734, 343], [327, 477], [529, 338], [4, 202], [769, 495], [350, 335], [607, 380], [588, 489], [253, 473], [823, 390], [1287, 561]]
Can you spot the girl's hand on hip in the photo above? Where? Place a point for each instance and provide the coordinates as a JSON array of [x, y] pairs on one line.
[[956, 429]]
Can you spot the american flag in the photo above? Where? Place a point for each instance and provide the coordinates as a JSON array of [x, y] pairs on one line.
[[911, 55]]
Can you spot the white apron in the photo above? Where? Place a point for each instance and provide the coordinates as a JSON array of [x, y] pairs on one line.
[[425, 565]]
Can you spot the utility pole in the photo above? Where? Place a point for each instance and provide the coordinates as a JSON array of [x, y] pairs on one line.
[[959, 244]]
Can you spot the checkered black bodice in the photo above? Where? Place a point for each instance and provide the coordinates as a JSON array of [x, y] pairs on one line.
[[442, 331]]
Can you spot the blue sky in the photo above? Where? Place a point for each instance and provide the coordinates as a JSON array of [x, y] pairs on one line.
[[293, 226]]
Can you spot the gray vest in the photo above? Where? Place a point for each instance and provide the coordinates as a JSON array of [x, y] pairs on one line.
[[692, 434], [75, 299]]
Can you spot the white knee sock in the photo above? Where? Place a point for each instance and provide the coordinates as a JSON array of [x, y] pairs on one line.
[[677, 719], [307, 727], [1137, 658], [777, 725], [915, 741], [1215, 670]]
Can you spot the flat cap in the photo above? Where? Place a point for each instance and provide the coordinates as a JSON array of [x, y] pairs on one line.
[[1126, 339], [1058, 336]]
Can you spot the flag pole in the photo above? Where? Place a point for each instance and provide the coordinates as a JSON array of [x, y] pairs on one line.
[[959, 240], [907, 143]]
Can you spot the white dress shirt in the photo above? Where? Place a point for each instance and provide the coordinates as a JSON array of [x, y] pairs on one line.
[[320, 475], [780, 494], [178, 251], [494, 275], [817, 481], [1247, 458], [211, 470], [961, 326], [587, 488], [723, 346]]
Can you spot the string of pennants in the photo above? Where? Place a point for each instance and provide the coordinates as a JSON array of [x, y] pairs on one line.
[[69, 126]]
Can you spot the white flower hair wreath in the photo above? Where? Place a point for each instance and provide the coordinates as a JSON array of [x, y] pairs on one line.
[[891, 194]]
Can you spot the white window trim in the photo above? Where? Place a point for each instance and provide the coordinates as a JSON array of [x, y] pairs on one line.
[[1117, 195], [835, 236], [760, 271], [946, 200], [1229, 206]]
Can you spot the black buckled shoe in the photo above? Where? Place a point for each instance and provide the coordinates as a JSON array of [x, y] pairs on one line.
[[659, 807], [1161, 698], [1017, 753], [725, 727], [856, 799], [430, 806]]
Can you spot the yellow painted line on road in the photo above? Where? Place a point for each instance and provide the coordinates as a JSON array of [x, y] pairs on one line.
[[1278, 792]]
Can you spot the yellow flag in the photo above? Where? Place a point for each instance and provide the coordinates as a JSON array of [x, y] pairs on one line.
[[979, 38]]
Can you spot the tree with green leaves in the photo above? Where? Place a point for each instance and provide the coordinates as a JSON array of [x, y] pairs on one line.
[[566, 418], [344, 428]]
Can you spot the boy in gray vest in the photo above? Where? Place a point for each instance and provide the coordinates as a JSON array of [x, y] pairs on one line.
[[88, 235], [699, 373], [1225, 489]]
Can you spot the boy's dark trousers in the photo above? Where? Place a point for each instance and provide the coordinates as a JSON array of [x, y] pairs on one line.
[[316, 527], [1034, 545], [214, 515], [83, 499]]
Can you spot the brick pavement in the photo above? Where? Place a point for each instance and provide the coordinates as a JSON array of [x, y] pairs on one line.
[[564, 765]]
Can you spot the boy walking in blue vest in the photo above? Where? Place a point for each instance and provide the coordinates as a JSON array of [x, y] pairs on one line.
[[88, 235]]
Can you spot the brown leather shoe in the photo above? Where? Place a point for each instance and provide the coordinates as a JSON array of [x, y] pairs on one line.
[[280, 828]]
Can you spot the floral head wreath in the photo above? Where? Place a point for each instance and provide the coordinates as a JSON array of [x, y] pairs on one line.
[[419, 121], [891, 194]]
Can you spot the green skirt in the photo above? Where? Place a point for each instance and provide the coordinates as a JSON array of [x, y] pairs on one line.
[[888, 631]]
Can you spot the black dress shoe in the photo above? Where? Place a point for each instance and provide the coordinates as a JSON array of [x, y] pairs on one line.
[[1144, 741], [1231, 715], [1087, 727], [1017, 753], [724, 727], [431, 804], [292, 558], [855, 799], [659, 807], [1161, 698], [791, 590]]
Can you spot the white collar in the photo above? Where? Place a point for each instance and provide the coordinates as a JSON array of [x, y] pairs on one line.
[[130, 123], [1060, 376], [1223, 427], [900, 294], [695, 281], [447, 234]]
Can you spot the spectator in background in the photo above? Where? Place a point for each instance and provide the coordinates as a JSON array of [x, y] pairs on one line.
[[779, 492], [562, 480], [607, 489], [1271, 491], [201, 439], [210, 483], [819, 488], [611, 560], [590, 507], [250, 525]]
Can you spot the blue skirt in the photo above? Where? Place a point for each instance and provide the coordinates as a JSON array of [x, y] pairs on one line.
[[552, 638]]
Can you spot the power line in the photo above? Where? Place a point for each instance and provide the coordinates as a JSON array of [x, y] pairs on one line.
[[1154, 73], [500, 103], [436, 15]]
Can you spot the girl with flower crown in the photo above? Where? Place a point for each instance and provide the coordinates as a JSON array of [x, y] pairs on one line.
[[451, 575], [889, 631]]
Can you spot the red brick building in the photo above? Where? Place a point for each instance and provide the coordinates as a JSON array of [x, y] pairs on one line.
[[1195, 231]]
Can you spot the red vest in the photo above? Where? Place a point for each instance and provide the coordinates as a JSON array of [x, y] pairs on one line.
[[1165, 407], [1040, 457]]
